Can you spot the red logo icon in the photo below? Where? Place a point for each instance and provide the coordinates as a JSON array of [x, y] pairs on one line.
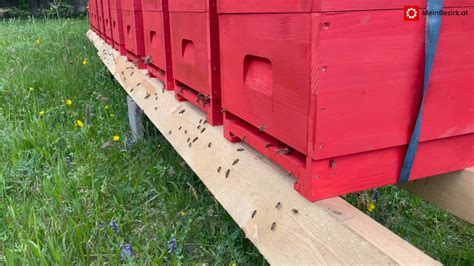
[[411, 13]]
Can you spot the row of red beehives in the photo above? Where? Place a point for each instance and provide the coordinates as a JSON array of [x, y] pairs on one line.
[[329, 90]]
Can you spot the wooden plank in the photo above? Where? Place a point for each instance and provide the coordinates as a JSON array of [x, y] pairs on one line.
[[285, 227], [453, 192], [135, 116]]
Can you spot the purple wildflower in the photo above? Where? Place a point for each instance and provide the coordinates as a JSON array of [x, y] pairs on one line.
[[69, 161], [113, 224], [172, 245], [376, 195], [126, 251]]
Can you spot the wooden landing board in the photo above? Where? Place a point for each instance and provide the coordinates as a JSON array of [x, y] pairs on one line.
[[285, 227], [453, 192]]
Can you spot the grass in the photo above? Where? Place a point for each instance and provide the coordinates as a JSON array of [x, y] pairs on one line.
[[64, 199]]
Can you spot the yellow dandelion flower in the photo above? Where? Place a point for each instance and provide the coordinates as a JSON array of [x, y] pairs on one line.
[[79, 123], [234, 264], [68, 102], [84, 61], [371, 206], [31, 89], [41, 113], [116, 138], [38, 41]]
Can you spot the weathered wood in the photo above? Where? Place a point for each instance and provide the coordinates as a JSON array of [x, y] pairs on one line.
[[285, 227], [453, 192], [135, 118]]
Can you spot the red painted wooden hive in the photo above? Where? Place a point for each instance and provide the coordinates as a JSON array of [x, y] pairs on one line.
[[107, 21], [330, 90], [156, 25], [93, 15], [195, 49], [117, 26], [100, 19], [133, 31]]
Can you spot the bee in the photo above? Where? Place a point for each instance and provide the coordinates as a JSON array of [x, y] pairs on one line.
[[254, 213], [284, 151], [148, 60], [278, 206]]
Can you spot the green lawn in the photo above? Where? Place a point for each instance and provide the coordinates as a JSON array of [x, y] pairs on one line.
[[64, 198]]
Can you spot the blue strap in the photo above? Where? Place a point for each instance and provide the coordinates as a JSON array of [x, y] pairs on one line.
[[433, 26]]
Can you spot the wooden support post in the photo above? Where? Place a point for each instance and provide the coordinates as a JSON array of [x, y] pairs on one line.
[[285, 227], [135, 118], [453, 192]]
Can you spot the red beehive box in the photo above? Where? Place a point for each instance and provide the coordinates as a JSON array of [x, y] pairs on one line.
[[107, 21], [92, 15], [117, 26], [100, 19], [133, 31], [195, 49], [156, 25], [330, 90]]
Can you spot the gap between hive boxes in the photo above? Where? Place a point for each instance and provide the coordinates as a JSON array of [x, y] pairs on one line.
[[285, 227]]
